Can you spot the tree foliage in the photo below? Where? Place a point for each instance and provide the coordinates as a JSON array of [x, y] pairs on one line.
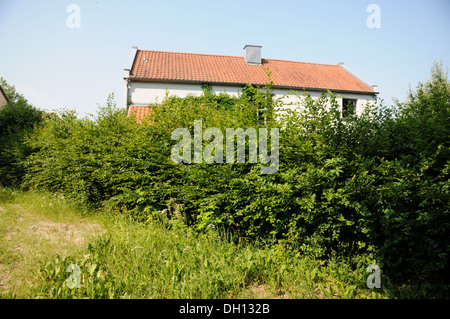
[[17, 119]]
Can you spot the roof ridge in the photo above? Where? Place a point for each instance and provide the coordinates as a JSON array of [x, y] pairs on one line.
[[238, 57], [191, 53], [290, 61]]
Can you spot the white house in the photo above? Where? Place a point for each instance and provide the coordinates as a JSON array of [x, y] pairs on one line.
[[149, 74]]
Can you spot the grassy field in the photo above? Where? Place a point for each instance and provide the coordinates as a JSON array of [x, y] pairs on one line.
[[42, 234]]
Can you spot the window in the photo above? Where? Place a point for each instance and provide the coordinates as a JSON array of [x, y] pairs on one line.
[[348, 107]]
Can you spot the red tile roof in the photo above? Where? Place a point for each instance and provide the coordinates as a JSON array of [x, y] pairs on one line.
[[189, 67], [141, 112]]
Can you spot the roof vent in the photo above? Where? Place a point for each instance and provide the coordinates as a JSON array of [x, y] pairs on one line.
[[252, 54]]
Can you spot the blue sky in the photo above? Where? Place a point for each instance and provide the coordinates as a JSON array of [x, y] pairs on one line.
[[55, 66]]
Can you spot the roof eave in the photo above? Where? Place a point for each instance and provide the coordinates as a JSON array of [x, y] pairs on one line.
[[129, 67], [357, 77]]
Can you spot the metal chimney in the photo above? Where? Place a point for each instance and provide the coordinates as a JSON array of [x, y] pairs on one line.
[[252, 54]]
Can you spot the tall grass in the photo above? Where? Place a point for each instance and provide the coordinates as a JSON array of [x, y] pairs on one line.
[[135, 260], [160, 259]]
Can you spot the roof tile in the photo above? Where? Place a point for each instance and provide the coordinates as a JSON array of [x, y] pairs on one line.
[[190, 67], [141, 112]]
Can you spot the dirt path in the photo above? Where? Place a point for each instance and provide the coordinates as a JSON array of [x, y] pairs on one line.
[[27, 238]]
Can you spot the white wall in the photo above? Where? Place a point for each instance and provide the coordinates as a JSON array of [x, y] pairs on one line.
[[297, 98], [145, 93]]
